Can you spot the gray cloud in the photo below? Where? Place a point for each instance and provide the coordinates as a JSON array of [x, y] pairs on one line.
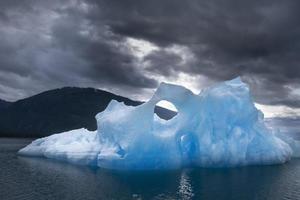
[[49, 46], [83, 43], [258, 40]]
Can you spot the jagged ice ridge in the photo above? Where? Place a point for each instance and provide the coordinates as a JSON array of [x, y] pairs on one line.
[[220, 127]]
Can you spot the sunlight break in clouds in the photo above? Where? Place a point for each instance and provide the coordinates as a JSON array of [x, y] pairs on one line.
[[140, 48]]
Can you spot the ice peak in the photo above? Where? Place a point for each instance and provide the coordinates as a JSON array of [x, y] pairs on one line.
[[236, 81], [219, 128]]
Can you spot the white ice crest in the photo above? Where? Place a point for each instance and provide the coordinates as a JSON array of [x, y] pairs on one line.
[[220, 127]]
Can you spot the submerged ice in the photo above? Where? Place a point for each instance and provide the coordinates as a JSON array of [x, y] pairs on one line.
[[220, 127]]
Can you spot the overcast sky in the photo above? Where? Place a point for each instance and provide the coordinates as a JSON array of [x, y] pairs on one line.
[[130, 46]]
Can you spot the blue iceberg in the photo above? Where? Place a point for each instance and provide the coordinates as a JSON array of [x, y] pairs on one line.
[[220, 127]]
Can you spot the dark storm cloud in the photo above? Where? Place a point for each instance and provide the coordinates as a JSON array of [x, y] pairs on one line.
[[105, 60], [162, 62], [46, 45], [258, 40]]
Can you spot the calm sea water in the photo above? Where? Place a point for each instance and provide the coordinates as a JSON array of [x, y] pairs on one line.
[[34, 178]]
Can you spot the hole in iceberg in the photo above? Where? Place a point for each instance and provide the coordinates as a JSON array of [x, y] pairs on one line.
[[165, 110]]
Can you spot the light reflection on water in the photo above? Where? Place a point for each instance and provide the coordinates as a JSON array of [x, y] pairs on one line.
[[185, 187], [36, 178]]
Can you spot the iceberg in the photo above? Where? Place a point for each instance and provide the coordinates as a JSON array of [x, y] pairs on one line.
[[220, 127]]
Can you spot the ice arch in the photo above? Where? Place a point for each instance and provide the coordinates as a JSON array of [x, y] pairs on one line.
[[220, 127], [166, 105]]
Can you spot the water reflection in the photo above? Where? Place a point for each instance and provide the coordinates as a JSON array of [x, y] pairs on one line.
[[185, 186], [37, 178], [94, 183], [106, 184]]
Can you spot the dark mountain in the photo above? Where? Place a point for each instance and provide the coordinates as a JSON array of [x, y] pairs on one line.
[[59, 110], [3, 104]]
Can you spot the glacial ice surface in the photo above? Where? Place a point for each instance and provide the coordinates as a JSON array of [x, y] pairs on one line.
[[220, 127]]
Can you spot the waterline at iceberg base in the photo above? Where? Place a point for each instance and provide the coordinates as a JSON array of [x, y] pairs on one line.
[[220, 127]]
